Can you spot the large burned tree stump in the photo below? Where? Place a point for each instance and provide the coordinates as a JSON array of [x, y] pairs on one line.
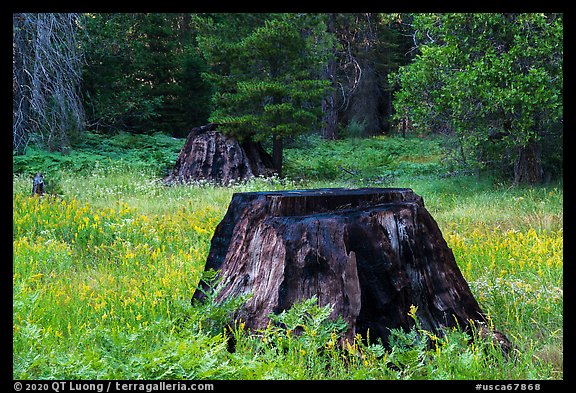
[[371, 253], [210, 155]]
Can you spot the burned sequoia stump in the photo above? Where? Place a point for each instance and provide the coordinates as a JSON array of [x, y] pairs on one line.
[[209, 155], [371, 253]]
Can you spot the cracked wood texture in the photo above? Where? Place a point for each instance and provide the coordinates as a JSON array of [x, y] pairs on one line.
[[212, 156], [370, 252]]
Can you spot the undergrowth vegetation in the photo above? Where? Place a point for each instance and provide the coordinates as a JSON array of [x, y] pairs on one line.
[[105, 265]]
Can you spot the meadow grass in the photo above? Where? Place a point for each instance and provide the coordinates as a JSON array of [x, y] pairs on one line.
[[105, 266]]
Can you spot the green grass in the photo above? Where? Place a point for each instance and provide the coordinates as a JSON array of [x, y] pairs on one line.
[[379, 159], [103, 271]]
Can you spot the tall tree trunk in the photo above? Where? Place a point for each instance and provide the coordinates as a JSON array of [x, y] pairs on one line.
[[329, 128], [365, 95], [528, 166], [364, 108], [277, 154]]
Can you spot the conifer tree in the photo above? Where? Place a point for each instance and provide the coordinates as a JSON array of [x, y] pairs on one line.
[[143, 74], [268, 80]]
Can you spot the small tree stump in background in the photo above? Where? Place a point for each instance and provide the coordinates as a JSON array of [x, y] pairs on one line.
[[38, 185], [213, 156], [371, 253]]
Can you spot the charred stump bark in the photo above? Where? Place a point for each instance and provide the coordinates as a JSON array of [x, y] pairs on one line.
[[371, 253], [38, 185], [212, 156]]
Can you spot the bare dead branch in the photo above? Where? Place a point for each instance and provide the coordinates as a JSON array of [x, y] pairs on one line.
[[47, 62]]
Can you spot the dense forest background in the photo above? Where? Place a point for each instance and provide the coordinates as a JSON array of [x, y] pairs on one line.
[[491, 83]]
